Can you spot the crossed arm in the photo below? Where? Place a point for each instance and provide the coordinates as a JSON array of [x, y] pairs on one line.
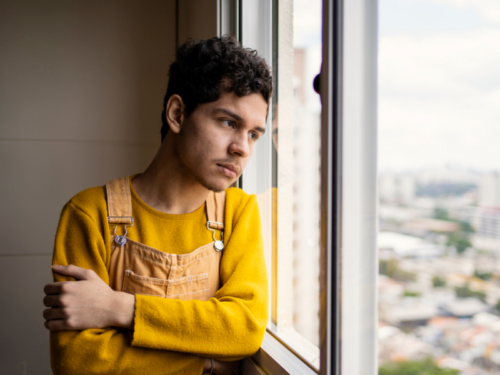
[[91, 303], [96, 330]]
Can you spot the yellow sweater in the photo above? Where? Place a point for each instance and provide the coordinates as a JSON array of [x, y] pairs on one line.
[[169, 336]]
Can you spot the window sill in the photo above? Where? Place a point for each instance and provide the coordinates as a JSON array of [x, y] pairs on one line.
[[275, 358]]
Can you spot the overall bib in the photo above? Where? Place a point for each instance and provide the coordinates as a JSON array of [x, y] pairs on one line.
[[136, 268]]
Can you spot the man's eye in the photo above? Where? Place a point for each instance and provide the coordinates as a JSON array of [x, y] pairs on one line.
[[254, 136], [229, 123]]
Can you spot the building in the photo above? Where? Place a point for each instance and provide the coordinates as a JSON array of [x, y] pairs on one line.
[[489, 190], [486, 222], [397, 188]]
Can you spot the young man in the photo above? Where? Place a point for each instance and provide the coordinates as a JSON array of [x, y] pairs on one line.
[[162, 289]]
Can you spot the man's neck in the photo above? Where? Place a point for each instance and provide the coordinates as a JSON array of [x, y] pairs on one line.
[[166, 187]]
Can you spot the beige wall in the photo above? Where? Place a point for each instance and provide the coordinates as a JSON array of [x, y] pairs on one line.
[[81, 92], [197, 19]]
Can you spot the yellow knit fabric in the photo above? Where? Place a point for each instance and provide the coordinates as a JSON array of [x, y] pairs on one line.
[[169, 336]]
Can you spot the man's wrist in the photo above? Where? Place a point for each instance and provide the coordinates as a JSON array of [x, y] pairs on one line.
[[122, 307]]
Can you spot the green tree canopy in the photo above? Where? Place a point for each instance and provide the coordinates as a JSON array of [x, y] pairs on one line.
[[391, 268], [438, 282], [423, 367], [497, 306], [441, 214], [466, 292], [486, 276], [460, 240]]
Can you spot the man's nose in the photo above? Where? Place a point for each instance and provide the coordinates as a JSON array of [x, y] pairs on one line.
[[240, 145]]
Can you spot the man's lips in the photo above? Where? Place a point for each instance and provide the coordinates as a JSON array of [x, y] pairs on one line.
[[228, 169]]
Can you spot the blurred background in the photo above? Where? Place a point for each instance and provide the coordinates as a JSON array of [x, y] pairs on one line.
[[439, 187]]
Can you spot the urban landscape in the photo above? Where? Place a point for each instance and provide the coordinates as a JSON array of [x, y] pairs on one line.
[[439, 282]]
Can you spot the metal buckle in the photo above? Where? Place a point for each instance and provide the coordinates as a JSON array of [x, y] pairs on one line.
[[121, 240], [218, 244]]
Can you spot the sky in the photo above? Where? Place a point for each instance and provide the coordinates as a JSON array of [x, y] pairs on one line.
[[439, 80], [439, 84], [307, 30], [307, 23]]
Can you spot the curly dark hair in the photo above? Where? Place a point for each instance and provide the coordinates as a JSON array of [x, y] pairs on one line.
[[202, 69]]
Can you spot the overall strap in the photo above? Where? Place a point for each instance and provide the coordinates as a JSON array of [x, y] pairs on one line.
[[120, 204], [216, 203], [119, 201]]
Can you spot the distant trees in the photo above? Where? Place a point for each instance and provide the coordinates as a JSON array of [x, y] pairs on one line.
[[423, 367], [410, 293], [438, 282], [441, 214], [466, 292], [486, 276], [497, 306], [460, 239], [391, 268]]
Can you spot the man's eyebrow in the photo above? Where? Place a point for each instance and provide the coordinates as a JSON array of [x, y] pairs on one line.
[[229, 113], [238, 118], [260, 129]]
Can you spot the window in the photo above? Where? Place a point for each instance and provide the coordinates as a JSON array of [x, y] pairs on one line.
[[315, 178], [285, 172], [439, 186]]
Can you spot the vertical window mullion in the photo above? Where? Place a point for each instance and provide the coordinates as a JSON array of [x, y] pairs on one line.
[[331, 167], [357, 115]]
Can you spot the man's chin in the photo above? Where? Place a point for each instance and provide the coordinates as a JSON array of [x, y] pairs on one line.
[[218, 189], [216, 186]]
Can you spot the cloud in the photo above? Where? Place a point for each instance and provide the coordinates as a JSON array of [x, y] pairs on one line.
[[307, 15], [488, 9], [439, 100]]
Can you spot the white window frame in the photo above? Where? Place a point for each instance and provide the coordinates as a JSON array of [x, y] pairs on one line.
[[357, 116]]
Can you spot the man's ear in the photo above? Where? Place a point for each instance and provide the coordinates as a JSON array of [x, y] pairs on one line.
[[175, 113]]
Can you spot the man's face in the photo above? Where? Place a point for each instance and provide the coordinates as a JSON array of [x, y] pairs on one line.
[[216, 141]]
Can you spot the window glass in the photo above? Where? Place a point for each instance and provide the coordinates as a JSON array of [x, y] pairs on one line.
[[284, 171], [306, 167], [294, 247], [439, 187]]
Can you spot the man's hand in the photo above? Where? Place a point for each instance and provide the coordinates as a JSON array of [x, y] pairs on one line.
[[86, 303]]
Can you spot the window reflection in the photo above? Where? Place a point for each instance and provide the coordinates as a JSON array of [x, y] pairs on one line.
[[293, 200], [306, 168]]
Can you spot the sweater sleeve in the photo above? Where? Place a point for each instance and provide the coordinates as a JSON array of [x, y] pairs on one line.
[[229, 326], [102, 351]]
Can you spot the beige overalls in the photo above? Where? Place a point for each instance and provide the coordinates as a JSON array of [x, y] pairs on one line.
[[139, 269]]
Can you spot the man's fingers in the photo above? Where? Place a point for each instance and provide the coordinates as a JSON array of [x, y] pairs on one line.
[[54, 313], [52, 301], [59, 287], [78, 273], [57, 325], [54, 288]]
